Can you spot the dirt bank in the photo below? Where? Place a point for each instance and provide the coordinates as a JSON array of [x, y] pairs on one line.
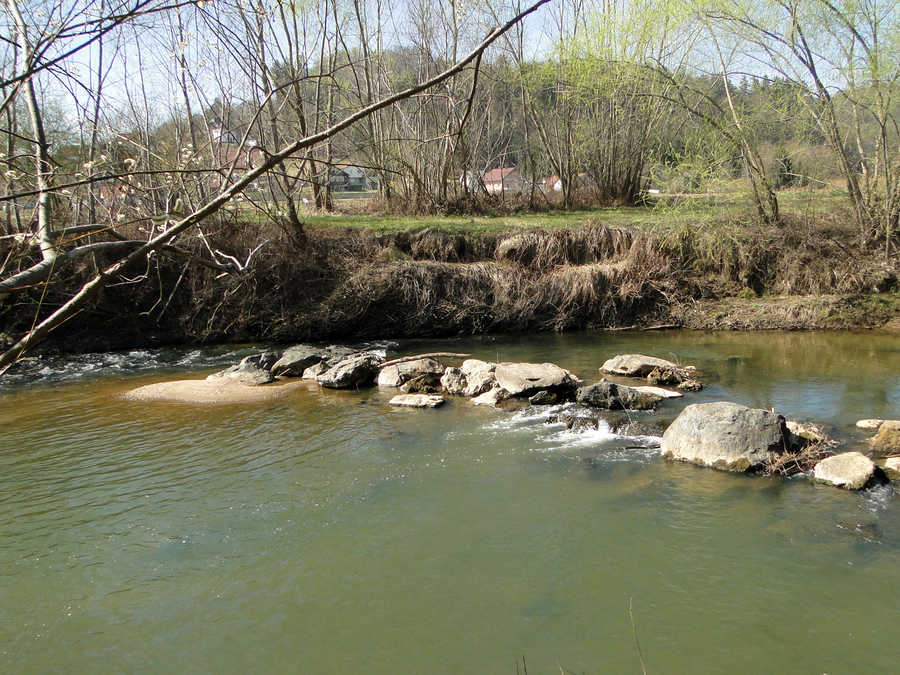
[[354, 284]]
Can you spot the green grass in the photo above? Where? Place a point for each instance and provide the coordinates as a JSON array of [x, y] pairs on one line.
[[725, 208]]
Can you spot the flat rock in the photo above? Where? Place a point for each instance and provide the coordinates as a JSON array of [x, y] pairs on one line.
[[887, 441], [492, 397], [216, 391], [869, 425], [659, 391], [634, 365], [725, 436], [524, 379], [848, 470], [358, 370], [417, 401], [612, 396]]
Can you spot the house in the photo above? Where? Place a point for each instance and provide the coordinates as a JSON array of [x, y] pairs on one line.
[[351, 179], [504, 179]]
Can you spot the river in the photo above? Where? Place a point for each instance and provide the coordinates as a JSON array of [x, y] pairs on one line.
[[329, 533]]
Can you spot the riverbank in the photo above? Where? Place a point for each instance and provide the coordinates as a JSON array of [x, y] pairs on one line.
[[344, 284]]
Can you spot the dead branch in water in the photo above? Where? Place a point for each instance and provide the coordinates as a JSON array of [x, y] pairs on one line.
[[432, 355]]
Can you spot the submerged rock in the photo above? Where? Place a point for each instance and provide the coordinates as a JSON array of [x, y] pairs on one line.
[[887, 441], [849, 470], [725, 436], [358, 370], [417, 401], [525, 379], [246, 372], [606, 394], [211, 391], [634, 365]]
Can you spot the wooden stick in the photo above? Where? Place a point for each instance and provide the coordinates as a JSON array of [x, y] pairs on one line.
[[432, 355]]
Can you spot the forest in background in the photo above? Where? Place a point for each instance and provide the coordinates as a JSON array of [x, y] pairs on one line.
[[148, 126]]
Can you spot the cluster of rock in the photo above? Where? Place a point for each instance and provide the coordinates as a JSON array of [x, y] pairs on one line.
[[885, 444], [733, 437], [335, 367], [720, 435]]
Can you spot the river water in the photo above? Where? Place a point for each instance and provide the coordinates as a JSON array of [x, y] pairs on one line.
[[329, 533]]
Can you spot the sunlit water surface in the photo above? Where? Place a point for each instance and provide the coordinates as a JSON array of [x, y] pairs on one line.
[[329, 533]]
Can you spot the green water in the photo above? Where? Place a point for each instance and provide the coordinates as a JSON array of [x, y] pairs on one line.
[[329, 533]]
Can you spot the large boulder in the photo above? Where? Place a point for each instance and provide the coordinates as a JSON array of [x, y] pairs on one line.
[[606, 394], [417, 401], [886, 442], [725, 436], [480, 376], [298, 358], [525, 379], [634, 365], [869, 424], [396, 375], [357, 370], [849, 470], [454, 382], [246, 372], [474, 377]]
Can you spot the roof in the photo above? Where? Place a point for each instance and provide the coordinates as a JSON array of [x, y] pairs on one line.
[[498, 175]]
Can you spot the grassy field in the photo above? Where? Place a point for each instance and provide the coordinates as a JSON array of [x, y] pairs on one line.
[[667, 211]]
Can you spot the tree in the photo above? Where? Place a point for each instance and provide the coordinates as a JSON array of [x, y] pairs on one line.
[[232, 186]]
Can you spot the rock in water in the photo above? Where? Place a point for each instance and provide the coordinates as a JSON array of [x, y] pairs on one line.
[[454, 382], [634, 365], [417, 401], [725, 436], [479, 376], [246, 372], [605, 394], [358, 370], [543, 397], [525, 379], [298, 358], [869, 425], [394, 376], [492, 397], [887, 441], [315, 370], [849, 470], [892, 467]]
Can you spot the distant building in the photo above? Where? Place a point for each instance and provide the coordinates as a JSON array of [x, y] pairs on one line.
[[351, 179], [504, 179]]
